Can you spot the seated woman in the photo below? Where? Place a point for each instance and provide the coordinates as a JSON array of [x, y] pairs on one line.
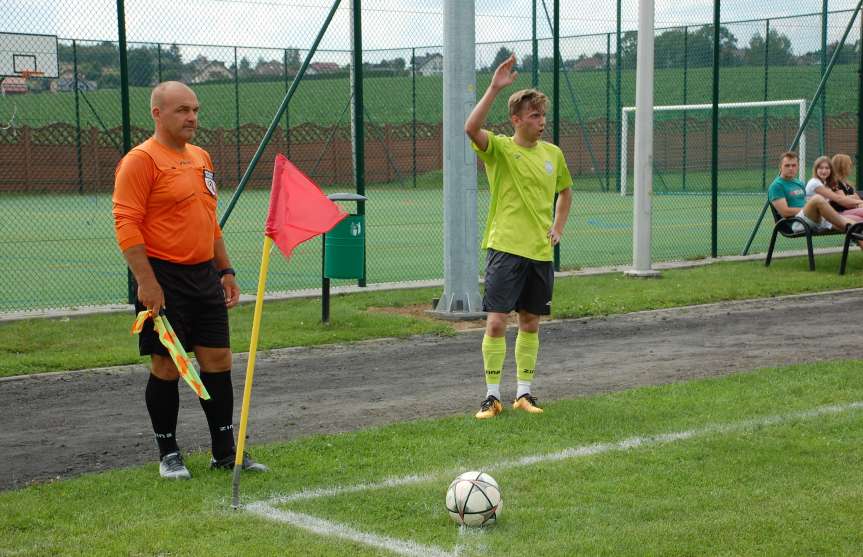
[[841, 170], [825, 184]]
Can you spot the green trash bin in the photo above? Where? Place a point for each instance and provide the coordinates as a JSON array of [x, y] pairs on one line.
[[345, 249], [345, 244]]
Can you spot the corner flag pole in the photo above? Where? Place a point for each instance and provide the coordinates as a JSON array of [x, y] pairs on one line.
[[250, 370]]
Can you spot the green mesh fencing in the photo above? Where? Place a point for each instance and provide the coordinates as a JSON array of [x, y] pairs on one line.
[[61, 136]]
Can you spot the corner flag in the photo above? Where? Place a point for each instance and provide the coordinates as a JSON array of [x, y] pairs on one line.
[[299, 210]]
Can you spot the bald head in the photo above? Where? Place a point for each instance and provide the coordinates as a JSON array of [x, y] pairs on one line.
[[167, 92], [174, 108]]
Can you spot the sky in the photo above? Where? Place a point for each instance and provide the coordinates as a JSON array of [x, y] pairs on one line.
[[387, 24]]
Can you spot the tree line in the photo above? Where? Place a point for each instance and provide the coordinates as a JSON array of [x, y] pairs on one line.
[[674, 48]]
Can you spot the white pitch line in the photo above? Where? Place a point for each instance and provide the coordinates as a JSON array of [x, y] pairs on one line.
[[334, 529], [413, 549], [635, 442], [573, 452], [319, 492]]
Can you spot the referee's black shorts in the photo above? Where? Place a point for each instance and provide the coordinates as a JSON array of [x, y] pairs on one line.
[[513, 282], [194, 305]]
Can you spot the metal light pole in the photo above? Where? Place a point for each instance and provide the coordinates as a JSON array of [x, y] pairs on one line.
[[460, 298], [641, 265]]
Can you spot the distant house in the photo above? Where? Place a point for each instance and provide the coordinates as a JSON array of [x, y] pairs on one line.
[[595, 62], [13, 85], [271, 68], [317, 68], [64, 84], [209, 70], [66, 81], [213, 71], [430, 64]]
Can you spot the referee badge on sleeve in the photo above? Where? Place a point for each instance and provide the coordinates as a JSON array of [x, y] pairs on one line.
[[210, 181]]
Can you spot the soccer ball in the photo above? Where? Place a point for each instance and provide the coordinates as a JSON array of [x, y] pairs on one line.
[[473, 499]]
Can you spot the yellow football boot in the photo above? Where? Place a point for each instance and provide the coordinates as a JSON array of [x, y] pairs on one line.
[[490, 408], [528, 403]]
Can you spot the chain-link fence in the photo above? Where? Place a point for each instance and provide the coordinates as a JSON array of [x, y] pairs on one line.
[[61, 131]]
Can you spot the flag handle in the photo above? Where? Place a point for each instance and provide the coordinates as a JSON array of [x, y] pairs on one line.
[[250, 370]]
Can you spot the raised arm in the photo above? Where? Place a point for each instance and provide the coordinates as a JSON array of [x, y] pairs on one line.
[[503, 77]]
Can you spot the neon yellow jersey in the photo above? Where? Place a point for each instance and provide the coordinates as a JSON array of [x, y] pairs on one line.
[[522, 182]]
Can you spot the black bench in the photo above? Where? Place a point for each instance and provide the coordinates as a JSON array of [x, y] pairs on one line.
[[785, 226]]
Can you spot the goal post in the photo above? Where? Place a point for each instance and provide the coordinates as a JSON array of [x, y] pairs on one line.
[[624, 127]]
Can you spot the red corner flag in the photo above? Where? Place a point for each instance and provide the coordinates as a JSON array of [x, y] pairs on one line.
[[299, 210]]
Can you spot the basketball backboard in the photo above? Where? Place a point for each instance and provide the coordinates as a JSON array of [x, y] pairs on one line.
[[28, 53]]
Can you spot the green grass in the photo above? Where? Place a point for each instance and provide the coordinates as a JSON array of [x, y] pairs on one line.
[[388, 100], [60, 251], [786, 488], [39, 345]]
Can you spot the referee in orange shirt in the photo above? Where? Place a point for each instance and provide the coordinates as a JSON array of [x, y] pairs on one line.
[[164, 207]]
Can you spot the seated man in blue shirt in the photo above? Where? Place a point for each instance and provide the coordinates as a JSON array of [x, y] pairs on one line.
[[788, 196]]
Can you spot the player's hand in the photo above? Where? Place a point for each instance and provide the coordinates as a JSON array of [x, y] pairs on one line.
[[554, 236], [504, 75], [150, 295], [232, 290]]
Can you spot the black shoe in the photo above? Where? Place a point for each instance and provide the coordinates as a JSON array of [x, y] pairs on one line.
[[171, 467], [227, 463]]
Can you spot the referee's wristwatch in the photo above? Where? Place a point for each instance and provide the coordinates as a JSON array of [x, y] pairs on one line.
[[227, 271]]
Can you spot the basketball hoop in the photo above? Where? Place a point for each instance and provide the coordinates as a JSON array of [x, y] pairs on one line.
[[23, 58], [27, 74], [24, 76]]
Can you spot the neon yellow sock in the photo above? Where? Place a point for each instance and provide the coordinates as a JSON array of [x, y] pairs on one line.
[[526, 349], [493, 355]]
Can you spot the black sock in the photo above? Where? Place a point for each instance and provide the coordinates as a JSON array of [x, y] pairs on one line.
[[163, 403], [219, 411]]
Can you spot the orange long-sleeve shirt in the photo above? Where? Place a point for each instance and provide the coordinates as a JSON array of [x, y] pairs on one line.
[[166, 200]]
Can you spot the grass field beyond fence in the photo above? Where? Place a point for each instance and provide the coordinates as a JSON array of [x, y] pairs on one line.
[[60, 251], [388, 100]]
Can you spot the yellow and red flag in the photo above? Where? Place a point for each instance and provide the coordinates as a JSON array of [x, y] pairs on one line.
[[175, 348]]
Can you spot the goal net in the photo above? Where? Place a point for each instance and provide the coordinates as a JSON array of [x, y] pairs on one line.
[[752, 136]]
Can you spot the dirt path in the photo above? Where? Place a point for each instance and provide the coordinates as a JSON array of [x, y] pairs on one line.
[[61, 425]]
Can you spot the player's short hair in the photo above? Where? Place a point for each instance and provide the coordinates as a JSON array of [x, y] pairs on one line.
[[789, 155], [841, 165], [530, 97]]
